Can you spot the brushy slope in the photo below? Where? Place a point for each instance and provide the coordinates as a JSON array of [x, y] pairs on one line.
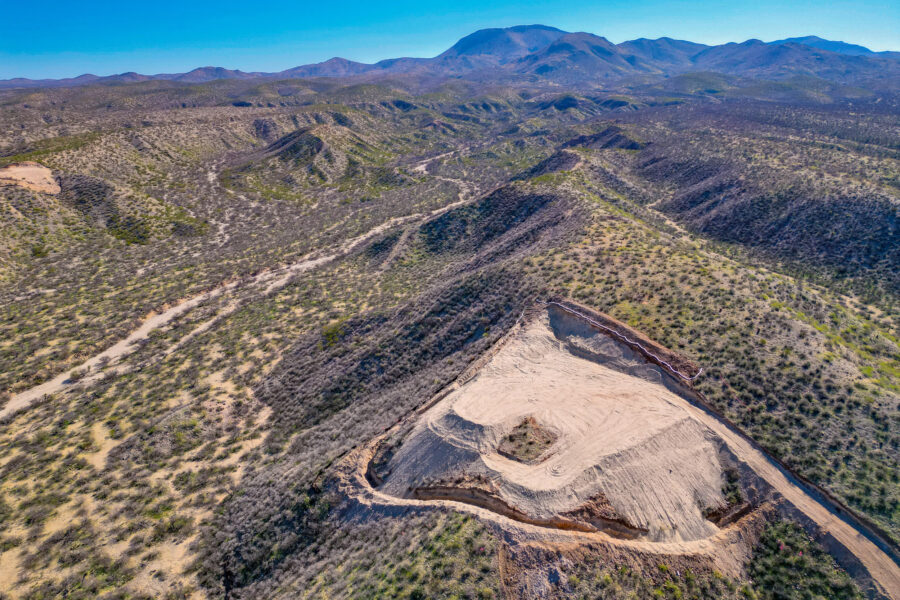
[[216, 449]]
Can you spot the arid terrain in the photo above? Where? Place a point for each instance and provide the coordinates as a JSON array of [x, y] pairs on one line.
[[31, 176], [525, 320], [635, 457]]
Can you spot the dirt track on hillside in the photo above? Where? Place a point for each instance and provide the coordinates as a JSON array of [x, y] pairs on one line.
[[267, 281]]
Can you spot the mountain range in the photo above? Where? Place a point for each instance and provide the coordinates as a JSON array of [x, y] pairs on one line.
[[539, 52]]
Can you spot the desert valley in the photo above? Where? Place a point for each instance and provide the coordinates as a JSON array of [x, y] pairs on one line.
[[543, 316]]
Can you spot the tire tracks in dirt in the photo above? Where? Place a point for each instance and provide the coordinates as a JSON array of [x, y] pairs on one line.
[[268, 281]]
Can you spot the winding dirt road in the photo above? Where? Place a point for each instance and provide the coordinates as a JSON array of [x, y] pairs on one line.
[[882, 568], [267, 281]]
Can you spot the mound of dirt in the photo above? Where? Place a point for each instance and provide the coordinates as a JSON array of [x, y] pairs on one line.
[[31, 176], [621, 435]]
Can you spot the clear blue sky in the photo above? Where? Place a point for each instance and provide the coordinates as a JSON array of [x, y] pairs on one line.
[[61, 38]]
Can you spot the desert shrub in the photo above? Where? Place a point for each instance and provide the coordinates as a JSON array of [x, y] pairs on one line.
[[788, 565]]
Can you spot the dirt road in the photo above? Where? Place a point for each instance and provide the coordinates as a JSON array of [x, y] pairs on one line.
[[881, 567], [267, 282]]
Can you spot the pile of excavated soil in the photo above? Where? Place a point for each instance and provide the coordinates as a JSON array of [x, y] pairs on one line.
[[622, 437], [31, 176]]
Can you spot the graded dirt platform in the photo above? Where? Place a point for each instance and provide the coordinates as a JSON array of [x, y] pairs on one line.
[[566, 430], [31, 176], [622, 440]]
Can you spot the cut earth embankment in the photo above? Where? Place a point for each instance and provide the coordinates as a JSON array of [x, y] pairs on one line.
[[634, 461]]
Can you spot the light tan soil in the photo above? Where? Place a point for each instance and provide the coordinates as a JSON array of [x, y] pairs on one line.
[[104, 445], [31, 176], [619, 433]]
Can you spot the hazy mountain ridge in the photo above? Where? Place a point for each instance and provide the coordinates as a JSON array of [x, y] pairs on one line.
[[830, 45], [570, 58]]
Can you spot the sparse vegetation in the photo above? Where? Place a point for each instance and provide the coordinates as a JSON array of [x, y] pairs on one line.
[[527, 442], [206, 460], [788, 565]]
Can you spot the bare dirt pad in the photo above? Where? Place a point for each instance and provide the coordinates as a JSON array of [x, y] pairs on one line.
[[620, 434], [634, 463], [31, 176]]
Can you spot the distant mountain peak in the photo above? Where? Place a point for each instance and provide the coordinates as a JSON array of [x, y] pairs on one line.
[[815, 41], [504, 44], [664, 51], [333, 67], [581, 42], [535, 27]]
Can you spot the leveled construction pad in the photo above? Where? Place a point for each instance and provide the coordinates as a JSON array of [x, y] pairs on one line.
[[621, 438]]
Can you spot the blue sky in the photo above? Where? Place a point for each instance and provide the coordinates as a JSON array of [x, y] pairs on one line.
[[67, 38]]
